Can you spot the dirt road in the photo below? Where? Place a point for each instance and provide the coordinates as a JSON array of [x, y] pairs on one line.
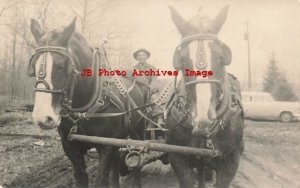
[[271, 158]]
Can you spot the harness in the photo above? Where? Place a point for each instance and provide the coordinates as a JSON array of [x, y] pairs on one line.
[[229, 101], [102, 91]]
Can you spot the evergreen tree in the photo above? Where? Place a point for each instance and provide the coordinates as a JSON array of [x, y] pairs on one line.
[[276, 83], [272, 75]]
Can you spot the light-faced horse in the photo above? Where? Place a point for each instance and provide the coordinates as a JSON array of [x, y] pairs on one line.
[[205, 112], [59, 90]]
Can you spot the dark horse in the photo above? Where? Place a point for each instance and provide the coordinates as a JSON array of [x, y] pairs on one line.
[[60, 91], [205, 112]]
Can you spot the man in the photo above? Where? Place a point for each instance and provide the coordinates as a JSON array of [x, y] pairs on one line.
[[141, 55]]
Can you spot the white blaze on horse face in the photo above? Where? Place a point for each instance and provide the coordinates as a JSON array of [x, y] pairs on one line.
[[43, 113], [203, 90]]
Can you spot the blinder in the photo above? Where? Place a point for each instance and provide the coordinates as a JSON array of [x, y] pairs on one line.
[[226, 58], [31, 65]]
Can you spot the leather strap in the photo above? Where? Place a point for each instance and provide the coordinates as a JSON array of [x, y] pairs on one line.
[[103, 115]]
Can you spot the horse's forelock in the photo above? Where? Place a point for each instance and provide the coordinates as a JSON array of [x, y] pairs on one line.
[[202, 23]]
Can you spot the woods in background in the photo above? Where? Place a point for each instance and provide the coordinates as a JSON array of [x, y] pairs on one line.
[[17, 41]]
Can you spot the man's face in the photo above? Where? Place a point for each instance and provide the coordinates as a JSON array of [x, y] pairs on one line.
[[142, 57]]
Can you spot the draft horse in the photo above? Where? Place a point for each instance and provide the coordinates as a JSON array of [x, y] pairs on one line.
[[205, 112], [64, 99]]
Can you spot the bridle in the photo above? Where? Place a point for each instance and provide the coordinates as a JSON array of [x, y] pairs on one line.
[[227, 104], [222, 83], [66, 91], [41, 74]]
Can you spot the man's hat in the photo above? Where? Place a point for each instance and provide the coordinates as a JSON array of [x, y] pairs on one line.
[[141, 50]]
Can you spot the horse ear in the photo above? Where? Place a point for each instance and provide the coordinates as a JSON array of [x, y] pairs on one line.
[[68, 31], [220, 19], [31, 70], [183, 26], [36, 29]]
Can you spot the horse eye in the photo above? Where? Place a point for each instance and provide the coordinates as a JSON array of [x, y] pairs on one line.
[[59, 67]]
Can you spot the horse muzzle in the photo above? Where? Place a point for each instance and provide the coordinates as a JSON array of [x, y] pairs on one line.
[[47, 122], [201, 128]]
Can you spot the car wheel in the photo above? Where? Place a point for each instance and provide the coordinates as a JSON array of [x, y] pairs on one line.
[[286, 117]]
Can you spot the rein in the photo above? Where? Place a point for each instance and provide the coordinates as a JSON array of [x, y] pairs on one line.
[[88, 115], [125, 92]]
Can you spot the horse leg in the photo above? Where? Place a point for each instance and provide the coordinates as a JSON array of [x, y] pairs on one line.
[[104, 166], [182, 170], [226, 170], [137, 182], [201, 176], [114, 172], [76, 153], [209, 174]]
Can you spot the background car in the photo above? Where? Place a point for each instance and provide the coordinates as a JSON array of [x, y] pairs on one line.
[[261, 105]]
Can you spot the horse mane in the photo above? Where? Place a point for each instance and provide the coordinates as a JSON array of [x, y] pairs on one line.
[[79, 45], [79, 38]]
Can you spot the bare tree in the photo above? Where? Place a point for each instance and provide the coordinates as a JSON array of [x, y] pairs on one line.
[[18, 48], [43, 13], [89, 12], [13, 65], [19, 42], [8, 4]]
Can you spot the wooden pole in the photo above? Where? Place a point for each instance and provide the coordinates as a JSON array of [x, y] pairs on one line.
[[139, 143], [249, 59]]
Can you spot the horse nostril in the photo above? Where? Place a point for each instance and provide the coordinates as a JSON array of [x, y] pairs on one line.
[[49, 120], [39, 123]]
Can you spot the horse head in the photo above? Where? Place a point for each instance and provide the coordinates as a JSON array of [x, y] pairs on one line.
[[199, 50], [54, 64]]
